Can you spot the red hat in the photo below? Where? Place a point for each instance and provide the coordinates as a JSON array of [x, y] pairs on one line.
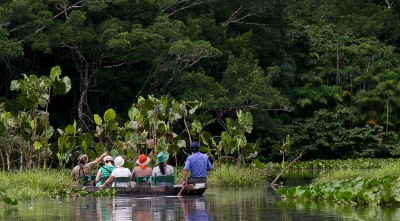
[[142, 159]]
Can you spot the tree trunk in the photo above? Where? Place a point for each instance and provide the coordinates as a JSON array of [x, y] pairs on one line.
[[387, 114], [2, 160], [8, 160], [83, 100]]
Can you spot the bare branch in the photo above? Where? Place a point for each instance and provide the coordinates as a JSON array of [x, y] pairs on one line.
[[389, 4], [66, 9], [62, 12], [121, 64], [237, 16], [181, 5]]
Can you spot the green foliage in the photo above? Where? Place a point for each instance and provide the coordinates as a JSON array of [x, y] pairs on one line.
[[326, 136], [35, 94], [284, 148], [233, 144], [25, 185], [373, 191], [225, 175]]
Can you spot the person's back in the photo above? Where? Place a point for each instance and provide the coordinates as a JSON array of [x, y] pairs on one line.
[[142, 170], [163, 169], [118, 172], [105, 171], [121, 172], [84, 167], [198, 164]]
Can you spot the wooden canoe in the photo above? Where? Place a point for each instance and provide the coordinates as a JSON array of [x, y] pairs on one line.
[[172, 190]]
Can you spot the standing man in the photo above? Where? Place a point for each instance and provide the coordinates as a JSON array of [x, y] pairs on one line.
[[198, 164], [84, 167]]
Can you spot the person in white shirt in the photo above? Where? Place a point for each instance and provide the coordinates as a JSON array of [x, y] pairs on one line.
[[120, 171]]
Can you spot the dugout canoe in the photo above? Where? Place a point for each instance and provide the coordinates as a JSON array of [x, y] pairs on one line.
[[189, 190]]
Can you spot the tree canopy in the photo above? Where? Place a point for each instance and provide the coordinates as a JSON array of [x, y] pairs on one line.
[[326, 73]]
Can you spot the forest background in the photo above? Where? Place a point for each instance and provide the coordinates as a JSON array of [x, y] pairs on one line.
[[324, 73]]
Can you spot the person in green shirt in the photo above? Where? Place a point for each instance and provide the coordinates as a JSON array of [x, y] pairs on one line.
[[105, 171]]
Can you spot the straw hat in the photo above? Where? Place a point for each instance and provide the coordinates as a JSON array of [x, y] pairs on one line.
[[119, 161], [143, 159], [161, 157]]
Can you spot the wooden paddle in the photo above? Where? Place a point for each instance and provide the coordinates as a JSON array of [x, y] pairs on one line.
[[180, 192]]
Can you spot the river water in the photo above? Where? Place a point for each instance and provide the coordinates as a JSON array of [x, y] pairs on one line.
[[215, 204]]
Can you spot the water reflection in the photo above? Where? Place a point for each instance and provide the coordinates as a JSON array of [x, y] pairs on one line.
[[194, 208], [111, 209], [216, 204]]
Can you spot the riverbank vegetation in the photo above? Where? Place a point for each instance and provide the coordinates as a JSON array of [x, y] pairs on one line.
[[377, 184], [31, 185]]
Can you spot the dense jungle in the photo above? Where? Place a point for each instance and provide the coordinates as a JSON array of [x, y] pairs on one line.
[[254, 80]]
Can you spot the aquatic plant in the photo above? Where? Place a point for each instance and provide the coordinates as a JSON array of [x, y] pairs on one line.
[[371, 191], [8, 201]]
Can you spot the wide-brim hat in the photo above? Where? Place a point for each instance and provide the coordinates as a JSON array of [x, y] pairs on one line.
[[142, 159], [108, 158], [162, 157], [119, 161]]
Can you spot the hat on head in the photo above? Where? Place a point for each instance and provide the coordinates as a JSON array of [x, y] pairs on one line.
[[143, 159], [83, 157], [161, 157], [194, 146], [119, 161], [108, 158]]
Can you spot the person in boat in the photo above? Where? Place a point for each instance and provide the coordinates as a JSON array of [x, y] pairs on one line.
[[85, 168], [142, 169], [198, 164], [120, 171], [105, 171], [163, 169]]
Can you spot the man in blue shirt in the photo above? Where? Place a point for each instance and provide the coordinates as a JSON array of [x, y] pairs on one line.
[[198, 164]]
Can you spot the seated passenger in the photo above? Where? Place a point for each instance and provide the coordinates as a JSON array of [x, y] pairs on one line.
[[118, 172], [163, 169], [105, 171], [84, 168], [142, 169]]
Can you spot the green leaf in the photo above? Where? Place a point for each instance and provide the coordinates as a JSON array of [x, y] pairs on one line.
[[99, 148], [37, 145], [55, 73], [196, 126], [133, 113], [71, 130], [181, 143], [109, 115], [59, 88], [86, 137], [49, 132], [84, 145], [15, 85], [32, 124], [98, 120]]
